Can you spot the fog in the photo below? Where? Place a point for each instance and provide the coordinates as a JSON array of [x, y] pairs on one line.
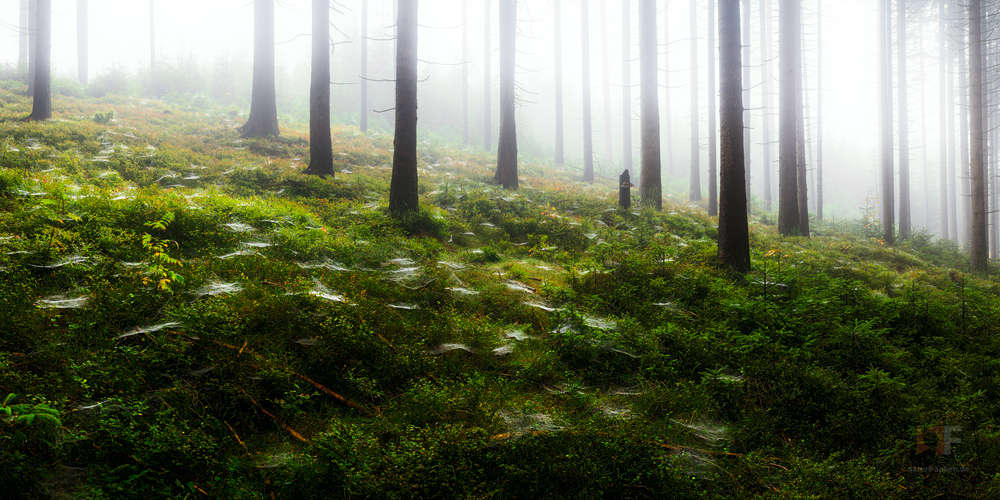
[[221, 32]]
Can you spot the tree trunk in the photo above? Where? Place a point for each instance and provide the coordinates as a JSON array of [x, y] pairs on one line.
[[403, 196], [588, 125], [506, 174], [627, 86], [364, 65], [905, 223], [765, 76], [41, 108], [979, 244], [22, 38], [560, 157], [694, 181], [746, 98], [952, 145], [734, 234], [320, 143], [32, 44], [651, 195], [81, 41], [487, 81], [943, 120], [800, 143], [668, 133], [963, 135], [713, 146], [263, 119], [819, 109], [885, 71], [152, 37], [789, 22], [923, 129], [465, 73], [606, 65]]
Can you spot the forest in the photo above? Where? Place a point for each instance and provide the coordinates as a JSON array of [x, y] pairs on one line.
[[499, 249]]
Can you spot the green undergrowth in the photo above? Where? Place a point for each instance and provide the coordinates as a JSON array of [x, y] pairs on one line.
[[183, 314]]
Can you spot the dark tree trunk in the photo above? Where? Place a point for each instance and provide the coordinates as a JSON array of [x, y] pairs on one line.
[[963, 135], [746, 98], [263, 119], [627, 85], [885, 82], [506, 174], [651, 195], [713, 138], [588, 125], [487, 81], [560, 156], [734, 234], [765, 75], [403, 196], [789, 22], [668, 132], [41, 108], [905, 223], [465, 73], [606, 64], [22, 38], [320, 142], [624, 190], [364, 65], [942, 120], [978, 242], [694, 181], [32, 44], [82, 50]]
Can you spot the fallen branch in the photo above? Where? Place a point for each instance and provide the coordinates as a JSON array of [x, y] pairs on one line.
[[277, 420]]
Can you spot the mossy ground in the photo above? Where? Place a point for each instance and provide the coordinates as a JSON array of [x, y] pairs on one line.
[[280, 336]]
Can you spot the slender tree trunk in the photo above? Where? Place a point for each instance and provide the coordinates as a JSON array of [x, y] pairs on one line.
[[152, 37], [487, 81], [694, 186], [979, 244], [800, 142], [465, 73], [41, 108], [403, 196], [734, 235], [364, 65], [746, 99], [22, 38], [32, 44], [713, 138], [952, 145], [320, 142], [819, 109], [765, 76], [506, 174], [560, 156], [923, 129], [943, 120], [965, 225], [606, 64], [789, 48], [81, 40], [627, 85], [668, 133], [263, 119], [588, 125], [651, 190], [885, 69], [905, 223]]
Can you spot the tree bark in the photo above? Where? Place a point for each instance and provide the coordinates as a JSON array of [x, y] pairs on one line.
[[627, 86], [487, 81], [560, 155], [668, 126], [885, 71], [746, 99], [320, 142], [82, 49], [403, 197], [506, 174], [651, 195], [801, 142], [788, 62], [22, 38], [734, 234], [979, 244], [364, 65], [963, 135], [588, 125], [263, 119], [765, 76], [905, 223], [606, 65], [713, 145], [41, 108], [952, 144], [943, 120], [694, 181]]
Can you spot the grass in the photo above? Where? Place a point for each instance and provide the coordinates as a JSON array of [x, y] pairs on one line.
[[195, 318]]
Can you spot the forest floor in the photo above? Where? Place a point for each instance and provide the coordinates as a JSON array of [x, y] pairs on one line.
[[184, 315]]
